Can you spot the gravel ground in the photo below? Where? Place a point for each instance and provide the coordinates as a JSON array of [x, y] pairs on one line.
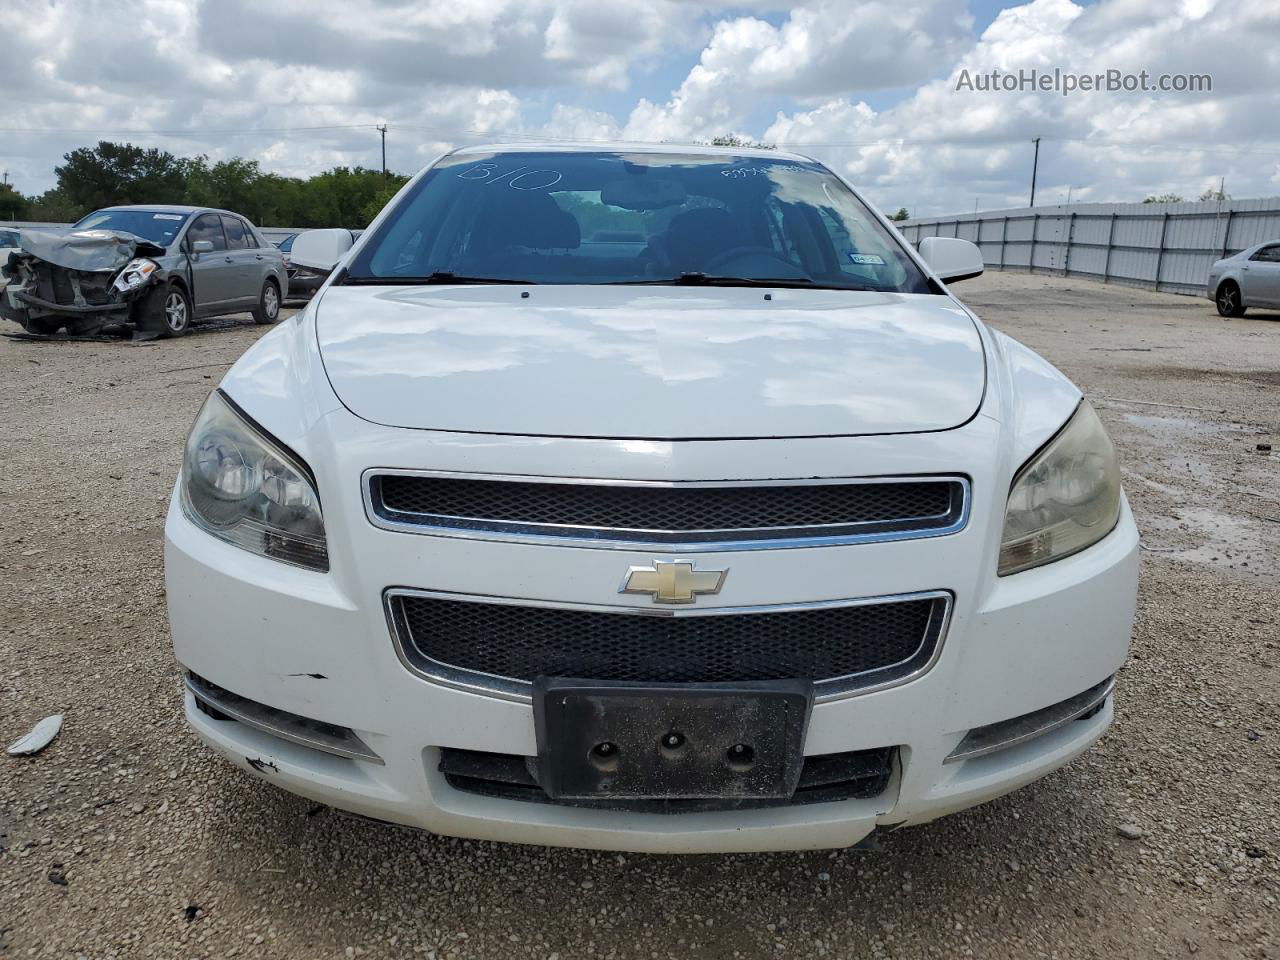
[[126, 839]]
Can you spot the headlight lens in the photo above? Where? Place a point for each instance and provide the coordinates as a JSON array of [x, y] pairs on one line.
[[240, 486], [135, 273], [1064, 499]]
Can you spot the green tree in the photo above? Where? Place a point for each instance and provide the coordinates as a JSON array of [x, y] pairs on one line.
[[730, 140], [1163, 198], [380, 199], [230, 184], [52, 206], [1212, 194], [13, 205], [901, 214], [118, 173], [114, 173]]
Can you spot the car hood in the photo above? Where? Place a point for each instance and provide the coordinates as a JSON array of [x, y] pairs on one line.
[[92, 251], [651, 362]]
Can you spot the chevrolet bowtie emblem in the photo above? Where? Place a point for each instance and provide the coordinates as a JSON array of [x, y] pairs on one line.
[[672, 581]]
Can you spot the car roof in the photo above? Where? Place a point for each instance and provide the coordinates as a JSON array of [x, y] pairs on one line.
[[169, 208], [618, 146]]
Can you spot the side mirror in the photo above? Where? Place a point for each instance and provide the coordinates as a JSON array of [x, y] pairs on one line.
[[202, 246], [951, 258], [320, 250]]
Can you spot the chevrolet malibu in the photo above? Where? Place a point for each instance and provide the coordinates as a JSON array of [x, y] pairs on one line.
[[655, 499]]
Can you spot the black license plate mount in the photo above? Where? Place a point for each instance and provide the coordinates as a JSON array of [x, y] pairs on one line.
[[628, 741]]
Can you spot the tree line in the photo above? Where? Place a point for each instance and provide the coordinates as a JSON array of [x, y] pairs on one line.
[[119, 173]]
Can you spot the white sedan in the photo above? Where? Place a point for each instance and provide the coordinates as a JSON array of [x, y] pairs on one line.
[[8, 245], [1250, 278], [749, 536], [8, 242]]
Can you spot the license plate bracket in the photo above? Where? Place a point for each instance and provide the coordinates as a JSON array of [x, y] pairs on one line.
[[629, 741]]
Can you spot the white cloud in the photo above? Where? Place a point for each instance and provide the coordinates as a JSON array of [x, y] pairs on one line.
[[822, 48], [868, 86], [956, 145]]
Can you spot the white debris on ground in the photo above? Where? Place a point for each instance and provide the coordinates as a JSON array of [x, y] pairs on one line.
[[39, 737]]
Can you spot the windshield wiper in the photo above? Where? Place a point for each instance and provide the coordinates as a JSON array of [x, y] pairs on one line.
[[695, 278], [439, 276]]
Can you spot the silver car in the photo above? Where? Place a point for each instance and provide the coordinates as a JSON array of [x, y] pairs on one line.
[[157, 267], [1251, 278]]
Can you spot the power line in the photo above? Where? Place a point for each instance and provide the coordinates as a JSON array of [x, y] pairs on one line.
[[497, 135], [188, 131]]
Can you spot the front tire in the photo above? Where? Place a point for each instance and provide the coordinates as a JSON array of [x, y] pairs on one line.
[[1229, 301], [175, 311], [42, 326], [268, 309], [86, 326]]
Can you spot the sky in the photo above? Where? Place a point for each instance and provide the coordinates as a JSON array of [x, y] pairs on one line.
[[869, 87]]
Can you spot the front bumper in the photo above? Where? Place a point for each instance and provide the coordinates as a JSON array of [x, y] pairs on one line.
[[319, 646], [303, 286]]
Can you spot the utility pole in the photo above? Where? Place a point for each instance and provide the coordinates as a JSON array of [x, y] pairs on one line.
[[382, 129], [1035, 165]]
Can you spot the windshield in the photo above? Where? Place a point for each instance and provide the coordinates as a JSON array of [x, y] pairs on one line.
[[286, 245], [157, 226], [8, 238], [585, 218]]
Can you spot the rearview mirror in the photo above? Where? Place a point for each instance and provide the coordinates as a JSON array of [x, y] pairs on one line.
[[643, 193], [320, 250], [201, 246], [951, 258]]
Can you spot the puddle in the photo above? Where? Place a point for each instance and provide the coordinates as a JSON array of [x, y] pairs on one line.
[[1219, 540]]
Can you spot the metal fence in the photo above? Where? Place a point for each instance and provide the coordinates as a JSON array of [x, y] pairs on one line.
[[1162, 246]]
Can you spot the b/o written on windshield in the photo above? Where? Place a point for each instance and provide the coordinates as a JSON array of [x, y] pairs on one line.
[[518, 178]]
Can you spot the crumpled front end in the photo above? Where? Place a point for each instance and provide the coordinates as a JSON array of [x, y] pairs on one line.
[[81, 280]]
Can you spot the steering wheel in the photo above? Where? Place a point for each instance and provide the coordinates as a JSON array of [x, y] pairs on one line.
[[735, 253]]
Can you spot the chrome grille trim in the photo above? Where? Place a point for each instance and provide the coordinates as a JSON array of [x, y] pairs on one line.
[[506, 688], [701, 541]]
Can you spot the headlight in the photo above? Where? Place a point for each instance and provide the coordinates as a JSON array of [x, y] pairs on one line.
[[135, 273], [241, 486], [1064, 499]]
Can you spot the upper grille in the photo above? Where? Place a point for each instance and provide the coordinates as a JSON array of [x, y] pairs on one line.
[[678, 515], [505, 645]]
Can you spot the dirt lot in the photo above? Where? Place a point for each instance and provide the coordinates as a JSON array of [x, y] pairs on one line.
[[167, 853]]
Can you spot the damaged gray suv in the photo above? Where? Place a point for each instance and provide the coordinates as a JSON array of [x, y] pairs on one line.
[[158, 268]]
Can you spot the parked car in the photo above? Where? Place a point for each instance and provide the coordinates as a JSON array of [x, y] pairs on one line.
[[1250, 278], [8, 244], [303, 283], [157, 267], [749, 537]]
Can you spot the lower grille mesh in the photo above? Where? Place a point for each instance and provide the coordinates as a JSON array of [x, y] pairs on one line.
[[823, 779], [881, 640]]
